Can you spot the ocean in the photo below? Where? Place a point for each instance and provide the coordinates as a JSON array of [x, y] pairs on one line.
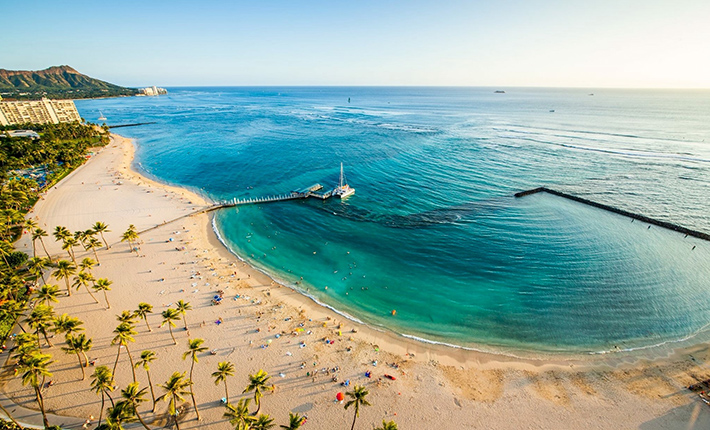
[[433, 231]]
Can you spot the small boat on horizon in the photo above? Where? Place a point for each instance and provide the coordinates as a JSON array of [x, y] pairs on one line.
[[343, 190], [102, 117]]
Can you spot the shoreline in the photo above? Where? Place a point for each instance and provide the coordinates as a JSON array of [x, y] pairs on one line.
[[276, 328], [444, 351]]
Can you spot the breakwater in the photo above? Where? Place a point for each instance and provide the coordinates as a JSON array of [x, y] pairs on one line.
[[131, 125], [664, 224]]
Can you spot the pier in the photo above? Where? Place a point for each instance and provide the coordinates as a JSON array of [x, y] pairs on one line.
[[304, 193], [643, 218]]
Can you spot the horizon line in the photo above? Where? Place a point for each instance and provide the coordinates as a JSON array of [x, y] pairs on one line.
[[424, 86]]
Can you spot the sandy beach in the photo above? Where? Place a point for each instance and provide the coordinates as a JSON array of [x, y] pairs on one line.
[[267, 326]]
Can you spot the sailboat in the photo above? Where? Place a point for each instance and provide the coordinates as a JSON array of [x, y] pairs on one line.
[[343, 190], [102, 117]]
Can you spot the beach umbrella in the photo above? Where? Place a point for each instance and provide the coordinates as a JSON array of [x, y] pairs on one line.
[[340, 397]]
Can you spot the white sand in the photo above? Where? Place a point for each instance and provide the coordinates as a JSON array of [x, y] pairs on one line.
[[438, 387]]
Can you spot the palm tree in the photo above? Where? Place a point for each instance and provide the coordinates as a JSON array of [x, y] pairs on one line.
[[65, 270], [182, 308], [124, 334], [103, 284], [295, 421], [61, 233], [68, 246], [121, 412], [47, 293], [67, 324], [169, 318], [38, 233], [82, 279], [142, 312], [257, 383], [224, 370], [239, 416], [40, 320], [102, 228], [358, 395], [93, 244], [36, 266], [87, 264], [174, 390], [148, 357], [101, 384], [130, 236], [126, 316], [263, 422], [33, 366], [390, 425], [82, 236], [76, 345], [194, 346], [134, 395]]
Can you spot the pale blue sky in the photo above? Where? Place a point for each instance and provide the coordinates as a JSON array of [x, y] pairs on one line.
[[602, 43]]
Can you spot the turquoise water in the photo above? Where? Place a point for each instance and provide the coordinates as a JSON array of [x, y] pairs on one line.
[[433, 230]]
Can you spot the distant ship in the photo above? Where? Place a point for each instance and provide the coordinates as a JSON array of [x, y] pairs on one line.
[[499, 92], [343, 190], [102, 117]]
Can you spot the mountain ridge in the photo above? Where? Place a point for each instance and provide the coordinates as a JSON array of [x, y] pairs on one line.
[[56, 82]]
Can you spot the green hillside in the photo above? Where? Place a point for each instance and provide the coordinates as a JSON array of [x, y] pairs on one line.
[[59, 82]]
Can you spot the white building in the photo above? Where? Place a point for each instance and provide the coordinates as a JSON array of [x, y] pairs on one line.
[[153, 91], [38, 111]]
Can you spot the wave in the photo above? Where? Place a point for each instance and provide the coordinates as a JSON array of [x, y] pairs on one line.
[[626, 153]]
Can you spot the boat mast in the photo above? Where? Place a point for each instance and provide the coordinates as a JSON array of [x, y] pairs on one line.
[[341, 175]]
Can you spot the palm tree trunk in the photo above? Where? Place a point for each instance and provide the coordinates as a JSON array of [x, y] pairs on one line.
[[226, 391], [116, 362], [152, 393], [5, 411], [354, 418], [34, 247], [40, 402], [171, 333], [86, 359], [91, 294], [96, 255], [192, 391], [133, 369], [107, 303], [111, 399], [177, 426], [45, 249], [66, 279], [83, 373], [102, 238], [184, 321], [44, 332], [135, 408], [103, 399], [146, 323]]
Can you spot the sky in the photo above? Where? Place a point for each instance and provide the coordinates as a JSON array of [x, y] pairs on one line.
[[539, 43]]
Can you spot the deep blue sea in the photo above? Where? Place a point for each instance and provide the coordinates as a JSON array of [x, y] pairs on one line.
[[433, 230]]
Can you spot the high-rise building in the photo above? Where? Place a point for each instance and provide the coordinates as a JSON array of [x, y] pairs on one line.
[[38, 111]]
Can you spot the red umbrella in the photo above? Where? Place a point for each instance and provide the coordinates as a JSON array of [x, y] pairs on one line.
[[340, 397]]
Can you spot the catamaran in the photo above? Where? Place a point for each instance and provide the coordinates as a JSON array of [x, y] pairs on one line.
[[343, 190]]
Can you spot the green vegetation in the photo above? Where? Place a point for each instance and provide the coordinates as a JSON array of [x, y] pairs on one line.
[[24, 162], [59, 82]]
